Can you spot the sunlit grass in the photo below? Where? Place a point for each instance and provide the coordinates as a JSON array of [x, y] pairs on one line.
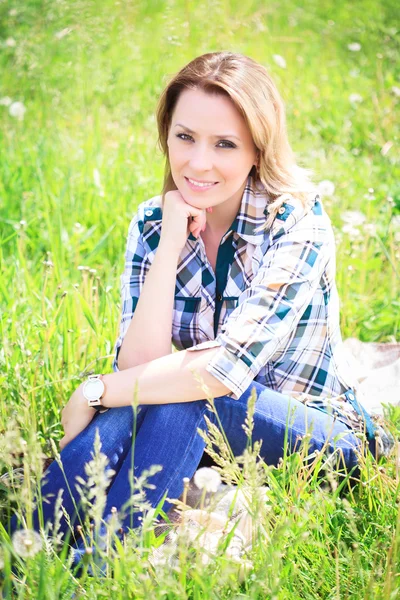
[[74, 166]]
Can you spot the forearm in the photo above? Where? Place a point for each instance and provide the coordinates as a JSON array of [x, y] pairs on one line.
[[149, 333], [165, 380]]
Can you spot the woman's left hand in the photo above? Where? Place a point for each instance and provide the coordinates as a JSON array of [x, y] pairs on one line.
[[75, 416]]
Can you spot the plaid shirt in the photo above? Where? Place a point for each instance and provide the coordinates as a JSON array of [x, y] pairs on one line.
[[278, 320]]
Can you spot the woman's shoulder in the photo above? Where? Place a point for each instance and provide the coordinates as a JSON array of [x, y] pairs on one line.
[[146, 212], [302, 220]]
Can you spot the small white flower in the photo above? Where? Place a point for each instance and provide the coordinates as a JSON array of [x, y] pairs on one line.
[[279, 60], [10, 42], [355, 98], [370, 228], [326, 188], [17, 110], [351, 230], [208, 479], [396, 91], [353, 217], [354, 47], [13, 12], [6, 101], [26, 542], [60, 34], [395, 222]]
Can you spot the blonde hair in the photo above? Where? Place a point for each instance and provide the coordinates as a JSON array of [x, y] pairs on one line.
[[254, 94]]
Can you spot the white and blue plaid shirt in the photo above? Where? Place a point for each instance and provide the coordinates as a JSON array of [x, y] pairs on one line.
[[276, 321]]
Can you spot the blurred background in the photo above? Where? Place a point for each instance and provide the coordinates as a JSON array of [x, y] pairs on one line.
[[79, 83]]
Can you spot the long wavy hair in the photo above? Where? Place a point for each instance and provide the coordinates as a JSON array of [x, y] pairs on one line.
[[254, 94]]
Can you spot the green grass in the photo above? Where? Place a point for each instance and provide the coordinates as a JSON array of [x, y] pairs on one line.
[[72, 173]]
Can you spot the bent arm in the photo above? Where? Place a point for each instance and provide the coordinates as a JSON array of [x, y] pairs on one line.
[[164, 380], [150, 330]]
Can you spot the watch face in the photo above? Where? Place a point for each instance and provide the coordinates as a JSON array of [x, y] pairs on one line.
[[93, 389]]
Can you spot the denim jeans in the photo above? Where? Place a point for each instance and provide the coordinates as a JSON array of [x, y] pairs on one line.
[[166, 435]]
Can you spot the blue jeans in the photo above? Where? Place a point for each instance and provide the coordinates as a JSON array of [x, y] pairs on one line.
[[166, 434]]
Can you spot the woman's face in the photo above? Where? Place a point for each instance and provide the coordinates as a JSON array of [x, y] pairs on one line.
[[211, 151]]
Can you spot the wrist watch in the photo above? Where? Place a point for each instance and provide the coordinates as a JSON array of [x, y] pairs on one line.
[[94, 390]]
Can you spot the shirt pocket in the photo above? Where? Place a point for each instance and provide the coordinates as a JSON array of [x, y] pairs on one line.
[[185, 320]]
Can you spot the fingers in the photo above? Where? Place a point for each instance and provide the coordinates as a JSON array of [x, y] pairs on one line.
[[198, 223]]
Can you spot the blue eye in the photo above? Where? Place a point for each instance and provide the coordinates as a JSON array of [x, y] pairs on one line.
[[185, 137]]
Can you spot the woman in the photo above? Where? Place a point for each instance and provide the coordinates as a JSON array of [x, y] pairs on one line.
[[236, 259]]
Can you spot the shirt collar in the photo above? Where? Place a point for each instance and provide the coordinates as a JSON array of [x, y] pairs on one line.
[[253, 213]]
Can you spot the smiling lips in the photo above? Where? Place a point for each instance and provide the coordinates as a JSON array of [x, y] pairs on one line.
[[200, 185]]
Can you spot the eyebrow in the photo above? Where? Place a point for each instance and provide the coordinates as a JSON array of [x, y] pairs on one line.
[[225, 135]]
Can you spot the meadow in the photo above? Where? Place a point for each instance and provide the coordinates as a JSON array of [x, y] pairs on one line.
[[79, 82]]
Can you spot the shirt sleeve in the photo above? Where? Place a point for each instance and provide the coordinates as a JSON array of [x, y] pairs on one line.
[[131, 282], [269, 310]]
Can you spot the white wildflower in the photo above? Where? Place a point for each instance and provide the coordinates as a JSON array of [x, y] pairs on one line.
[[353, 217], [208, 479], [60, 34], [396, 91], [13, 12], [26, 542], [395, 222], [279, 60], [355, 98], [351, 230], [354, 47], [17, 110], [6, 101], [326, 188], [10, 42], [370, 228]]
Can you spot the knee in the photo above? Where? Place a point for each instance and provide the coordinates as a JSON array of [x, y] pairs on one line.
[[177, 413]]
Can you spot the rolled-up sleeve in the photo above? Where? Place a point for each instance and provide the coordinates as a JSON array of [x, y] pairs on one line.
[[132, 280], [268, 311]]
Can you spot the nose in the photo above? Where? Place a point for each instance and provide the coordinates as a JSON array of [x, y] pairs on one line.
[[201, 158]]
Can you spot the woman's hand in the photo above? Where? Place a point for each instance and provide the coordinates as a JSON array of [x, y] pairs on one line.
[[180, 219], [75, 416]]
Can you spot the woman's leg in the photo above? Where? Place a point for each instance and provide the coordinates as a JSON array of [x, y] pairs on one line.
[[115, 429], [168, 437]]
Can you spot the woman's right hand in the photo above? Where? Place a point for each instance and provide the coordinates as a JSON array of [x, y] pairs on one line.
[[179, 220]]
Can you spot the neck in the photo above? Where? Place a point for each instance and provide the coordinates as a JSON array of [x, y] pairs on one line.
[[221, 218]]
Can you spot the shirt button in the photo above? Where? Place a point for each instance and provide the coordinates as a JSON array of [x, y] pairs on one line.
[[282, 210], [219, 297], [148, 213]]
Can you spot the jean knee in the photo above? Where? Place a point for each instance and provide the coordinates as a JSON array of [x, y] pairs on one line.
[[177, 413]]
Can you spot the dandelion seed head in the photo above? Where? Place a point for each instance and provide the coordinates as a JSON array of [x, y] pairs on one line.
[[26, 542], [279, 60], [326, 188], [10, 42], [396, 91], [208, 479], [13, 12], [5, 101], [355, 98], [17, 110], [354, 47], [353, 217]]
